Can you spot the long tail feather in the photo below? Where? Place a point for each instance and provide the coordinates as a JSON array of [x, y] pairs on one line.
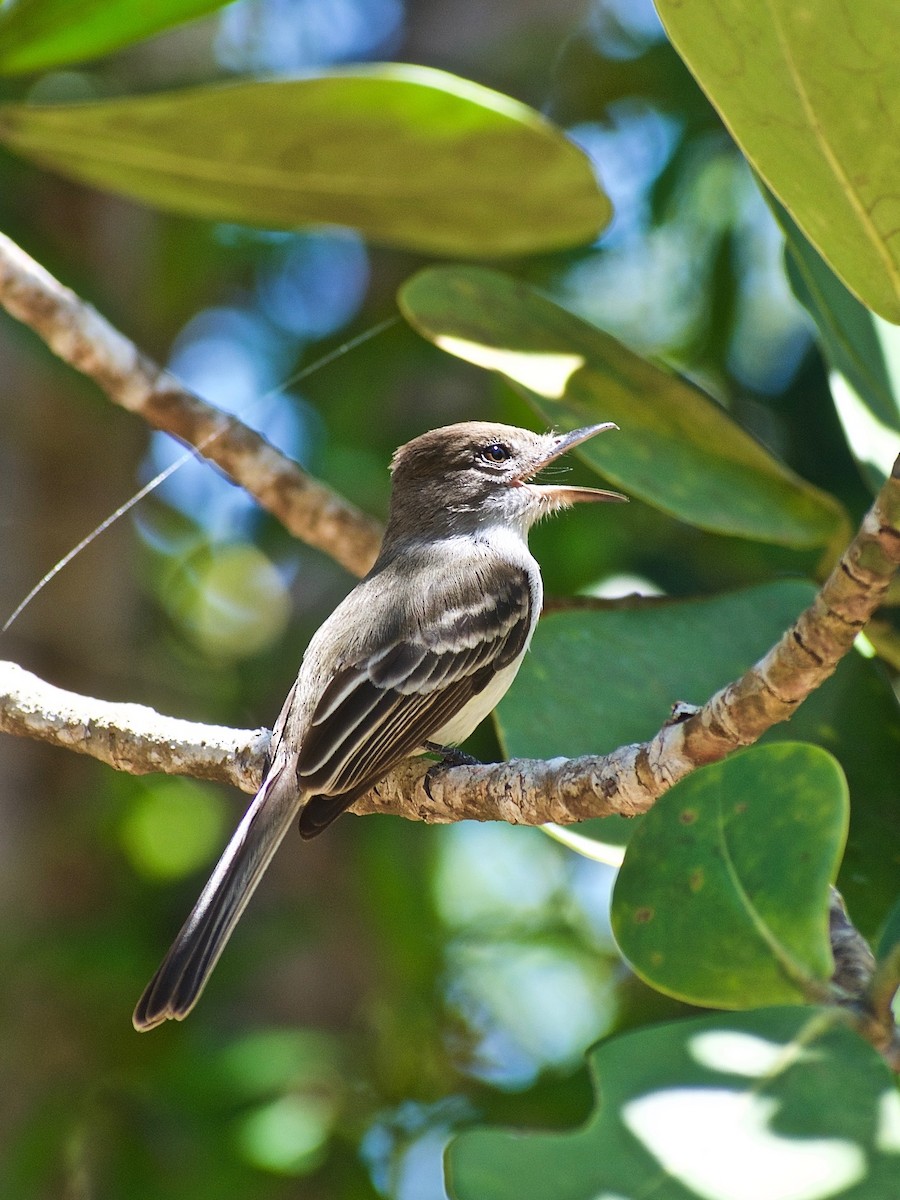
[[175, 988]]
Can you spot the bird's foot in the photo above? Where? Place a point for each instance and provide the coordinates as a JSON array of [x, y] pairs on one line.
[[448, 756]]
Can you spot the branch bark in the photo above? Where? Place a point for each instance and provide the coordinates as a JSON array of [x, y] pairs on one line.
[[80, 336], [129, 737], [522, 791]]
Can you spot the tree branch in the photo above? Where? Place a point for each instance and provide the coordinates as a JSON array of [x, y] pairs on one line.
[[522, 791], [130, 737], [80, 336], [864, 988], [627, 781]]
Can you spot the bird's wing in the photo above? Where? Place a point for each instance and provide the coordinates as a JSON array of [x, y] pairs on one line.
[[380, 709], [373, 713]]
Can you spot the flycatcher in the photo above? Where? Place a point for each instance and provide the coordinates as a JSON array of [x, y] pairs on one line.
[[419, 652]]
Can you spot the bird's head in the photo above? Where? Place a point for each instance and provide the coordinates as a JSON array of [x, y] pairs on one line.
[[477, 473]]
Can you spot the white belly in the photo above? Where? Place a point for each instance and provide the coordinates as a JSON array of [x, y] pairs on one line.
[[472, 714]]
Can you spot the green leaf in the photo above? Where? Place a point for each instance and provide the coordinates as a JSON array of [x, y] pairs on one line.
[[676, 448], [890, 935], [628, 666], [811, 94], [596, 679], [723, 896], [780, 1104], [37, 34], [862, 350], [413, 157]]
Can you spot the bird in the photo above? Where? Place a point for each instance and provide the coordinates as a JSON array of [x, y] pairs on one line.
[[415, 657]]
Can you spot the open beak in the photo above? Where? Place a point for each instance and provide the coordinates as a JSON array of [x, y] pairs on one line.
[[560, 494]]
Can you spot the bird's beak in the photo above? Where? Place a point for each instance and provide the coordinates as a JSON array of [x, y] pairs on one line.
[[560, 494]]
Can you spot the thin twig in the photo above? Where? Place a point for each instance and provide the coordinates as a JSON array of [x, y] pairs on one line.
[[79, 335], [863, 988]]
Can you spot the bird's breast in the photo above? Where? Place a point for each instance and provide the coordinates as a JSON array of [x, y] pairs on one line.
[[458, 728]]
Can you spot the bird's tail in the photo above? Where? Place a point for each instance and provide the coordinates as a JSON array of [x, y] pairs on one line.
[[175, 988]]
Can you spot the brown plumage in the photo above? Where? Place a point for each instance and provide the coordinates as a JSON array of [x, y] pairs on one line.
[[420, 651]]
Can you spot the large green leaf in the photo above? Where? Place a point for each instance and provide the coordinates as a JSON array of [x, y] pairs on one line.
[[411, 156], [723, 896], [628, 665], [863, 352], [811, 94], [37, 34], [676, 448], [778, 1104], [598, 679]]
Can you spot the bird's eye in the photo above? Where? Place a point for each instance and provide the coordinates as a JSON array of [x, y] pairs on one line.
[[495, 453]]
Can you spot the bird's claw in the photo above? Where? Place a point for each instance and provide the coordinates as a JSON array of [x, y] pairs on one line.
[[450, 756]]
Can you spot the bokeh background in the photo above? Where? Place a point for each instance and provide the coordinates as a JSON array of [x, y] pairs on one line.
[[391, 983]]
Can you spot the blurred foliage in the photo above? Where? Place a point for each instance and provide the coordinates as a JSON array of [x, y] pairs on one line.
[[393, 984], [329, 148], [824, 159], [862, 350], [656, 1092], [36, 35]]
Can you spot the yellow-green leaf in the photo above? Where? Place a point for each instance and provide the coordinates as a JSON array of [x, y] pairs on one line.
[[676, 448], [411, 156], [38, 34], [811, 93]]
